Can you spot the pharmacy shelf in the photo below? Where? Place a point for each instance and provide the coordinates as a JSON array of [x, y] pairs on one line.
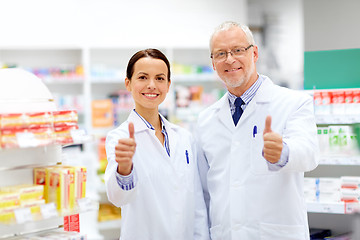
[[35, 156], [337, 119], [11, 230], [55, 220], [333, 207], [63, 80], [108, 225], [340, 160], [107, 80], [195, 78]]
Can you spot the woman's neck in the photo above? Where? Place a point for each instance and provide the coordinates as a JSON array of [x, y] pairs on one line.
[[152, 116]]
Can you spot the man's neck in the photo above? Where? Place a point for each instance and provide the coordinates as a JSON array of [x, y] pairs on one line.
[[239, 91]]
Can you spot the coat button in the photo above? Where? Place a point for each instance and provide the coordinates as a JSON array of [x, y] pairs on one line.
[[235, 184]]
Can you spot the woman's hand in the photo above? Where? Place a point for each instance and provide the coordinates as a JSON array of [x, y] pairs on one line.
[[124, 152]]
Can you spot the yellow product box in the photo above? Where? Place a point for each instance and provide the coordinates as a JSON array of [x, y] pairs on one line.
[[61, 187], [9, 199], [7, 215], [27, 192], [40, 178], [80, 182], [34, 206], [108, 212]]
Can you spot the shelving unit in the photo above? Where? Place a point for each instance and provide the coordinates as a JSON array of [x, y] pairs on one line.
[[8, 231], [17, 163], [337, 216]]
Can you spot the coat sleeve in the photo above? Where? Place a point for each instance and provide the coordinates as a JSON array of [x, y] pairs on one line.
[[300, 135], [201, 228], [115, 193]]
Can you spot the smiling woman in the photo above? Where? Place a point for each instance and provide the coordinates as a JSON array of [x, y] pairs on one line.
[[148, 84], [145, 183]]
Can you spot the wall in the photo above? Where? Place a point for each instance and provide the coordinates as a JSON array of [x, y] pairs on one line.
[[114, 22], [331, 24], [280, 39]]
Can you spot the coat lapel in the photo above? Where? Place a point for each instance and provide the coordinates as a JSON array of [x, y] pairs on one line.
[[224, 113], [173, 139], [263, 96]]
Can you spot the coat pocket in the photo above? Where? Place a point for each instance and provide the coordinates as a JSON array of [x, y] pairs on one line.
[[282, 232], [259, 164]]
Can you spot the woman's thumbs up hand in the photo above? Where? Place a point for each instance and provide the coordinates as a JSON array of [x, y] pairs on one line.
[[124, 152], [273, 143]]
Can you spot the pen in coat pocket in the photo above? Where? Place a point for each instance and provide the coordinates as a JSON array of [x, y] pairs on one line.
[[187, 156], [254, 131]]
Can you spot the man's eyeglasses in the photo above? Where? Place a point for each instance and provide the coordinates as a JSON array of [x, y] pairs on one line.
[[235, 52]]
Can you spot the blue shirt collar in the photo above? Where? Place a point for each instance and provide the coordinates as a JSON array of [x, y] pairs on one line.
[[249, 94]]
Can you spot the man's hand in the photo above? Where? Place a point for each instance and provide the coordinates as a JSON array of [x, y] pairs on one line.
[[273, 143], [124, 152]]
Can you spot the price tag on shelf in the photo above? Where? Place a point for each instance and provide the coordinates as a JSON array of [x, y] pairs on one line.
[[351, 207], [356, 160], [336, 160], [48, 210], [85, 204], [326, 208], [23, 215], [26, 139]]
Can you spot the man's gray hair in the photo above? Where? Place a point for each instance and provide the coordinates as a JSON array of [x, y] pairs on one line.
[[230, 24]]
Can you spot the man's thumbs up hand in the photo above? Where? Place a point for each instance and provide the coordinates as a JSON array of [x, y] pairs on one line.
[[273, 143], [267, 128], [124, 152]]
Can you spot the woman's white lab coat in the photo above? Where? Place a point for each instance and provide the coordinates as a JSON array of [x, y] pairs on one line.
[[167, 201], [248, 201]]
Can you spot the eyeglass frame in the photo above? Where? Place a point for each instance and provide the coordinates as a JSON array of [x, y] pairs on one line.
[[231, 52]]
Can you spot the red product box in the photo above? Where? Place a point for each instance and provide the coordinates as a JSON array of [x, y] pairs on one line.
[[63, 134], [40, 119], [65, 118], [14, 121]]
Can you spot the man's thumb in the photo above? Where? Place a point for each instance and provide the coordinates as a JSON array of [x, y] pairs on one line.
[[131, 130], [267, 128]]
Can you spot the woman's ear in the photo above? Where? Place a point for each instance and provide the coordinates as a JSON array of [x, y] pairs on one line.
[[169, 83], [127, 84]]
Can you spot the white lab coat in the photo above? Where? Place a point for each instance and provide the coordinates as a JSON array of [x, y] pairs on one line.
[[167, 201], [248, 201]]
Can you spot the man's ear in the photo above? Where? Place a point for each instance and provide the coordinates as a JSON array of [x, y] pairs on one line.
[[256, 53]]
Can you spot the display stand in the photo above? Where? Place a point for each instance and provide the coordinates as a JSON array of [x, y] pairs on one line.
[[23, 92]]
